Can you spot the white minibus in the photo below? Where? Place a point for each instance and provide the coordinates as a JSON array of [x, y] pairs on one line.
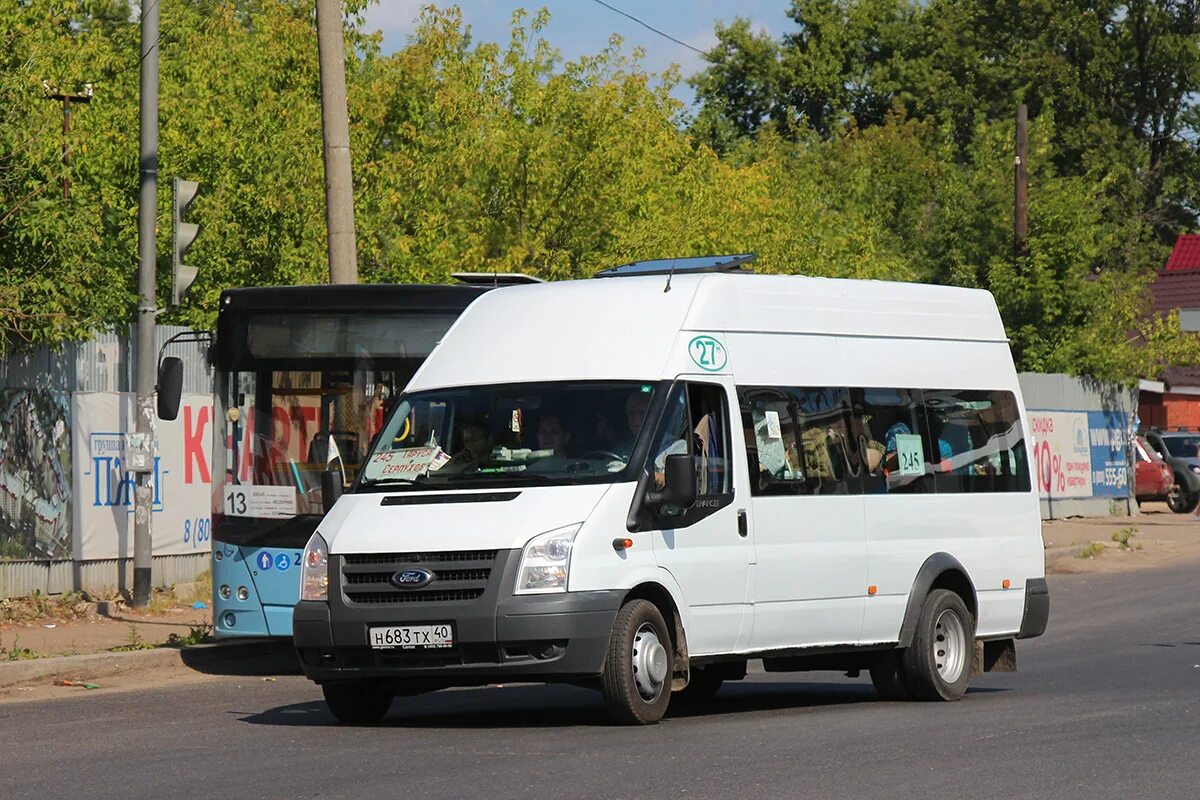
[[641, 481]]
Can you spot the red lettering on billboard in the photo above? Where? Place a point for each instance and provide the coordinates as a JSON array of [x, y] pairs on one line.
[[193, 444]]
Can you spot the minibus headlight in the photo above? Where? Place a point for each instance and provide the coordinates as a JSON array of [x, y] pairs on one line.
[[546, 562], [314, 570]]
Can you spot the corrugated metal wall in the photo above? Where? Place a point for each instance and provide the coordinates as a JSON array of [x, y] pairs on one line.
[[100, 578], [104, 364]]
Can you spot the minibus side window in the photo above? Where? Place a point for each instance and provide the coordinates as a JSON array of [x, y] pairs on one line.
[[709, 423], [891, 429], [798, 441], [980, 441], [696, 422]]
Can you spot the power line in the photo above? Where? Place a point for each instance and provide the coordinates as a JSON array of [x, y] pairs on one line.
[[663, 34]]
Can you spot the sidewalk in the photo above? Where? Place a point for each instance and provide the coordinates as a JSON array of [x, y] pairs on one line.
[[44, 626], [1156, 537]]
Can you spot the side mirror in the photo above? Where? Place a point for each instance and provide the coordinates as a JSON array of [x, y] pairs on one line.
[[331, 488], [170, 387], [679, 483]]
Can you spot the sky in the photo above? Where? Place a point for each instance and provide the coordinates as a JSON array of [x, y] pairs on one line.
[[583, 27]]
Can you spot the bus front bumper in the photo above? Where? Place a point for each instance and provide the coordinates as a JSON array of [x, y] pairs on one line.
[[541, 638]]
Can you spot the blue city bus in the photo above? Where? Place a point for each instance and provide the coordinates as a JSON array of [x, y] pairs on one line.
[[304, 378]]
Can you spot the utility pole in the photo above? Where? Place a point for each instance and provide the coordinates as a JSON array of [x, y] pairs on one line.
[[335, 126], [139, 452], [66, 97], [1021, 206]]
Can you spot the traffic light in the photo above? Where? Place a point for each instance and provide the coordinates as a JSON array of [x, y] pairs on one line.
[[182, 235]]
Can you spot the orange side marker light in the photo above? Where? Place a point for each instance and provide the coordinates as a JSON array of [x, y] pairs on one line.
[[872, 589], [622, 544], [1007, 583]]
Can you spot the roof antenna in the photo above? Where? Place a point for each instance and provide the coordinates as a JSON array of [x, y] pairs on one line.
[[670, 275]]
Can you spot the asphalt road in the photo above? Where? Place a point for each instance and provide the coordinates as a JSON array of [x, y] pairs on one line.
[[1107, 704]]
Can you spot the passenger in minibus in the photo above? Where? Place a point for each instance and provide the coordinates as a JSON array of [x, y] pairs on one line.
[[552, 434]]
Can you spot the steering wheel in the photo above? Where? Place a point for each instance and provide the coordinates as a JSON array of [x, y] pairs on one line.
[[605, 454]]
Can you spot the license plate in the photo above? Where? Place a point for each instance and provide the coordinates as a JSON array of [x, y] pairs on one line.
[[411, 637]]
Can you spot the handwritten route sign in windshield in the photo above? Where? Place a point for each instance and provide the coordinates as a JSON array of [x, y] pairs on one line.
[[407, 463]]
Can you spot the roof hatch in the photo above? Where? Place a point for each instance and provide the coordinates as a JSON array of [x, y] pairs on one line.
[[681, 266]]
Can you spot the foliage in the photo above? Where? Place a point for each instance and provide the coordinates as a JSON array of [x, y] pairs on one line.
[[1123, 536], [907, 106], [873, 141], [16, 652], [197, 634]]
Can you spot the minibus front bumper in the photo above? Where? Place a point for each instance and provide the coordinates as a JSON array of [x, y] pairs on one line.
[[498, 636]]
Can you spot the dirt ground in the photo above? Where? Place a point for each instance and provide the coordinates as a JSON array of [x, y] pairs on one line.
[[1153, 538], [90, 632]]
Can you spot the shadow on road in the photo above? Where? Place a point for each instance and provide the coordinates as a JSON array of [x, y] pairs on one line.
[[266, 657], [565, 706]]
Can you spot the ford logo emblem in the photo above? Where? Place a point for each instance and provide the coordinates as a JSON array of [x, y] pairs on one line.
[[413, 578]]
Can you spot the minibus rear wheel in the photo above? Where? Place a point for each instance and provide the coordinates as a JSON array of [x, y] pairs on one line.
[[938, 662], [703, 685], [357, 702], [636, 682], [887, 674]]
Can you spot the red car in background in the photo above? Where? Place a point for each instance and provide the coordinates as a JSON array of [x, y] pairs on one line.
[[1154, 479]]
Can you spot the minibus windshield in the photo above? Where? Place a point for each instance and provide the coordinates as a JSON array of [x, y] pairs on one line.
[[528, 433]]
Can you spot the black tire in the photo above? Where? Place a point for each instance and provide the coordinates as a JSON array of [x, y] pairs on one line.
[[937, 665], [703, 685], [887, 674], [357, 702], [638, 622], [1181, 501]]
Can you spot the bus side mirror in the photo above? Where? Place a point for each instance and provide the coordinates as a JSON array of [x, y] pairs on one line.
[[679, 483], [170, 387], [331, 488]]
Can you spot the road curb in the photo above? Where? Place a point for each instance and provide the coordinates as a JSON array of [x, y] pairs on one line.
[[234, 658]]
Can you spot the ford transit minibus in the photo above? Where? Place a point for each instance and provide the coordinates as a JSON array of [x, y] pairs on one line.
[[641, 481]]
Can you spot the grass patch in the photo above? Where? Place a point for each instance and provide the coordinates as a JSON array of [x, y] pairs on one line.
[[135, 642], [203, 587], [16, 652], [197, 634], [1091, 550], [1123, 536], [38, 606]]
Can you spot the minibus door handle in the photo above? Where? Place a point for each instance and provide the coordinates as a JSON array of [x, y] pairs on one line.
[[743, 525]]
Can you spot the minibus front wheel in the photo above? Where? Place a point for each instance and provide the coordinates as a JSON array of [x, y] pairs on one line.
[[636, 682], [357, 702]]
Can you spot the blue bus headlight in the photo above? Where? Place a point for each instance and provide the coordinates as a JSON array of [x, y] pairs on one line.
[[314, 577]]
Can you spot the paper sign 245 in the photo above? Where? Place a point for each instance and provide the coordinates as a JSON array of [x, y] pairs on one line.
[[910, 454]]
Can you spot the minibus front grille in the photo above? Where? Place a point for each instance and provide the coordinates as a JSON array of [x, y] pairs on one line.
[[384, 578], [458, 577], [401, 598], [423, 559]]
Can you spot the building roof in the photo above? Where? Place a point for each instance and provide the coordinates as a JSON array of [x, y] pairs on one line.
[[1174, 290], [1177, 287], [1186, 255], [1176, 377]]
